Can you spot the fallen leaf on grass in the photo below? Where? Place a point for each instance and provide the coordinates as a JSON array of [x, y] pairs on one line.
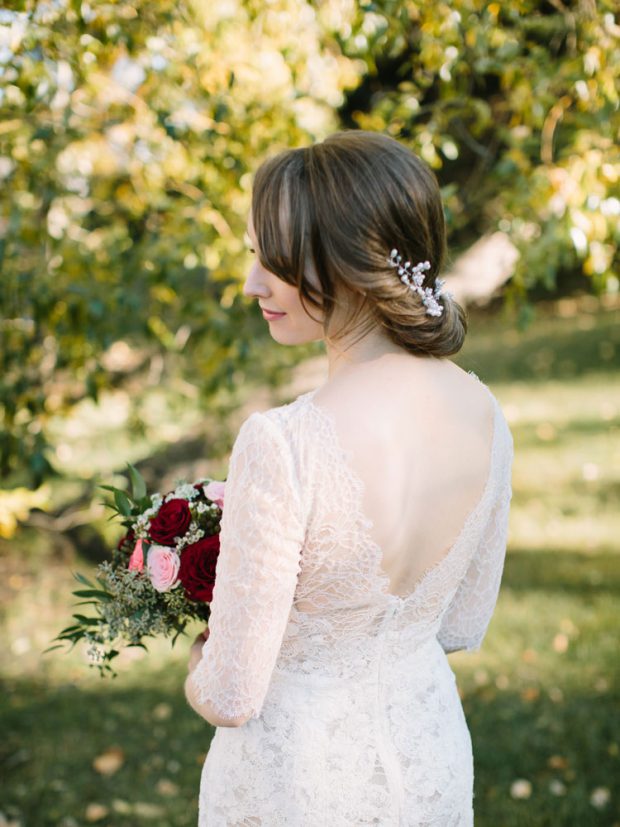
[[599, 798], [521, 788], [481, 676], [95, 812], [146, 810], [557, 762], [109, 761], [167, 787], [162, 712]]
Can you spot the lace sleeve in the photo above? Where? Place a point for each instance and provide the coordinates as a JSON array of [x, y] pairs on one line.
[[261, 537], [466, 619]]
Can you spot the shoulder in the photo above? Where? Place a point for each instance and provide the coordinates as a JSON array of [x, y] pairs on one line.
[[259, 428], [270, 445], [408, 391], [279, 428], [284, 419]]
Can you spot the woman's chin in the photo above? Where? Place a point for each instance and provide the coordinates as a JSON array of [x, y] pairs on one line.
[[284, 338], [290, 337]]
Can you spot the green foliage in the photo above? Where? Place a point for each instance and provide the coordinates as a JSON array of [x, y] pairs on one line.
[[129, 133], [516, 106]]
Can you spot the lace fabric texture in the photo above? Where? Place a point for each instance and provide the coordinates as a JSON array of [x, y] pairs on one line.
[[351, 711]]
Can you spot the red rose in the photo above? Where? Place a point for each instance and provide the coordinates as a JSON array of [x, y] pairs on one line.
[[172, 520], [197, 570]]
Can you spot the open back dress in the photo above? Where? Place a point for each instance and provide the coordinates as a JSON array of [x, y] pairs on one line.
[[352, 714]]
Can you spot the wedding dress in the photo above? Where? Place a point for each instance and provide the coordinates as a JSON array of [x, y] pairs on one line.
[[352, 714]]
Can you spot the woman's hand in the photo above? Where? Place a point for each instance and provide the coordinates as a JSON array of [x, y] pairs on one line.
[[195, 653]]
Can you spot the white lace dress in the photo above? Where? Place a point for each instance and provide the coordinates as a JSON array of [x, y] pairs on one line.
[[351, 707]]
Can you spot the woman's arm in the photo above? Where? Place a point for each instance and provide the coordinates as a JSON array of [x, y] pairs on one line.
[[204, 710], [261, 536]]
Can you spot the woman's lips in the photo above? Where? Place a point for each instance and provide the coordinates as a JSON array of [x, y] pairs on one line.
[[272, 316]]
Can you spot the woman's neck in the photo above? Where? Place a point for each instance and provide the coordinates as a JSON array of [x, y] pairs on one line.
[[346, 353]]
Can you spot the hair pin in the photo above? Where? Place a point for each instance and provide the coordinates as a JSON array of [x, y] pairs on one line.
[[413, 276]]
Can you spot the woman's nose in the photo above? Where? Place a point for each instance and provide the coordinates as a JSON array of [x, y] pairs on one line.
[[254, 285]]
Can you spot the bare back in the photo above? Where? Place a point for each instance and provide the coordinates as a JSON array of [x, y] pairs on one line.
[[418, 435]]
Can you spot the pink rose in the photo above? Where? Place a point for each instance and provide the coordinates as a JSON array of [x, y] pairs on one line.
[[214, 491], [136, 561], [162, 565]]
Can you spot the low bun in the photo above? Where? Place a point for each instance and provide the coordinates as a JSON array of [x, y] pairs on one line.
[[406, 323]]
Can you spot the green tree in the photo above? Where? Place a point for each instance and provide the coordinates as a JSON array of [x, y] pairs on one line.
[[516, 106], [129, 132]]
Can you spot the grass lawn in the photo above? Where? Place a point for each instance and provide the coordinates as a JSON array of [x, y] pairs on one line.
[[542, 697]]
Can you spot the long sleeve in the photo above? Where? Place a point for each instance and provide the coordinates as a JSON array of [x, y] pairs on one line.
[[261, 536], [466, 619]]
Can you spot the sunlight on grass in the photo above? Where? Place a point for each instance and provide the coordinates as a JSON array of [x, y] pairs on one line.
[[565, 479]]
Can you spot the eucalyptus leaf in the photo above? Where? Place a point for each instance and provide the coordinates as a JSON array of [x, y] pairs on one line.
[[99, 593], [123, 503], [137, 483]]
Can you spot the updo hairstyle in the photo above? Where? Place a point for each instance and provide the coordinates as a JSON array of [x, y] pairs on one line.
[[326, 218]]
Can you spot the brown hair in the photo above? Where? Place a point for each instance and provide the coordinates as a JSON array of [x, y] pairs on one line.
[[338, 208]]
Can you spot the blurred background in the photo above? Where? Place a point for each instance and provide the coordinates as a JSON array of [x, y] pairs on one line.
[[129, 133]]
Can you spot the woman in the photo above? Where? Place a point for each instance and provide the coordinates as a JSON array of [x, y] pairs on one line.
[[365, 523]]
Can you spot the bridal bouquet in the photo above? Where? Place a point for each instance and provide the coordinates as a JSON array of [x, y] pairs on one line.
[[161, 573]]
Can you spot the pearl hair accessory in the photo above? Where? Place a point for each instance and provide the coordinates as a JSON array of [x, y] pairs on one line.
[[413, 276]]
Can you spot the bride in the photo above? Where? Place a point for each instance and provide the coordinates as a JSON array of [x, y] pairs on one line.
[[364, 525]]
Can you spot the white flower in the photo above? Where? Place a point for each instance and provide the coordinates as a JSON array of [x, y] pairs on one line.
[[95, 653], [192, 535], [183, 491]]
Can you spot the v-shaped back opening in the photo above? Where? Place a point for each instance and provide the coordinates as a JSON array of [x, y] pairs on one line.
[[366, 524]]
